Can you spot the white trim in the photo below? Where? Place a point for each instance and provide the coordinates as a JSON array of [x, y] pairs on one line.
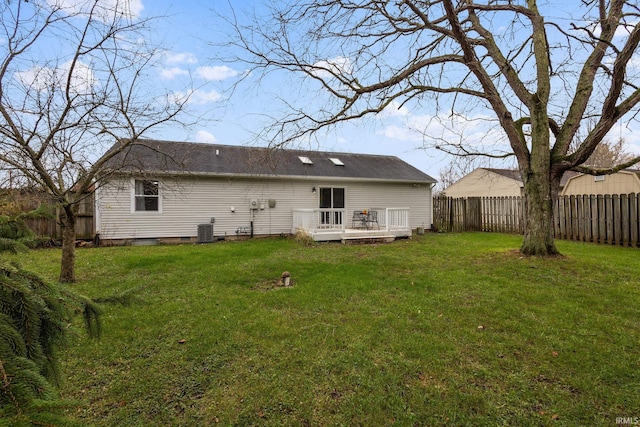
[[133, 197]]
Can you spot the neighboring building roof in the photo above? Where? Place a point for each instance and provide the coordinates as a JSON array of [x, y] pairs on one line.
[[492, 182], [154, 156], [508, 173], [517, 176]]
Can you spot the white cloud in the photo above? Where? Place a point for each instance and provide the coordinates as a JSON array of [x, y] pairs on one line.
[[196, 97], [207, 137], [630, 132], [394, 109], [180, 58], [337, 65], [623, 30], [216, 73], [36, 77], [401, 133], [105, 10], [634, 63], [172, 73], [205, 97], [472, 131], [634, 149], [40, 78]]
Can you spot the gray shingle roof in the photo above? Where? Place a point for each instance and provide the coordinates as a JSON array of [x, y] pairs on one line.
[[154, 156]]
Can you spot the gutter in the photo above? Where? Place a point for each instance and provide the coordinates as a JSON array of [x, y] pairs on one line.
[[275, 177]]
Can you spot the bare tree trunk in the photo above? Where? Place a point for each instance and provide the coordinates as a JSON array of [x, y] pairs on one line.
[[68, 225], [538, 210]]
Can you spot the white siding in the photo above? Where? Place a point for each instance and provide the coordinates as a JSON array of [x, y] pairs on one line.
[[192, 201]]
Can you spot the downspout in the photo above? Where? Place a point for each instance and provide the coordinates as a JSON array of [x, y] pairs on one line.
[[97, 217], [251, 223]]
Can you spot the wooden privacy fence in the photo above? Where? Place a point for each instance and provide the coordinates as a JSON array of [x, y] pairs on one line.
[[497, 214], [50, 227], [607, 219]]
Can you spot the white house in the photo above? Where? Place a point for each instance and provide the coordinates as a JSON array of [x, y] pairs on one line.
[[176, 191]]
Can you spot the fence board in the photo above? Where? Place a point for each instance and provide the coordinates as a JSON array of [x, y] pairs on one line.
[[624, 220], [633, 218], [617, 219], [602, 229], [593, 209]]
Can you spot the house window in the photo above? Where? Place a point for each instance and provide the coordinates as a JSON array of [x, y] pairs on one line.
[[147, 195], [599, 178]]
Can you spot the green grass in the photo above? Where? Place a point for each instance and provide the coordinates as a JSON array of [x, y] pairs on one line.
[[444, 329]]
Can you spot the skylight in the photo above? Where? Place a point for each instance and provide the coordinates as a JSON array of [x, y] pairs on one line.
[[336, 161], [305, 160]]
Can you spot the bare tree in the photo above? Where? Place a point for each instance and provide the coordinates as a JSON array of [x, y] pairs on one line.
[[541, 72], [609, 154], [457, 168], [72, 83]]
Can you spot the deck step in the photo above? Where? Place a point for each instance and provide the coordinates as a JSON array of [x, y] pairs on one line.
[[381, 238]]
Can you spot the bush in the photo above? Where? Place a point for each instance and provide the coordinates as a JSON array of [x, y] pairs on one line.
[[33, 323]]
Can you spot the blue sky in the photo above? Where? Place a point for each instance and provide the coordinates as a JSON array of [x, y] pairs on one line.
[[188, 35]]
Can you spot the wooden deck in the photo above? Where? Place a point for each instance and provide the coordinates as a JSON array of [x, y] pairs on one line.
[[326, 225], [358, 235]]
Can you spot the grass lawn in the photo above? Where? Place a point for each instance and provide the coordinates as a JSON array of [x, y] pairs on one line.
[[443, 329]]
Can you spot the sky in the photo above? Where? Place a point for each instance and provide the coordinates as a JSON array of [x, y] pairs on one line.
[[189, 34]]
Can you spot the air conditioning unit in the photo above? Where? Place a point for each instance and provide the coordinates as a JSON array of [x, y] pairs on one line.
[[205, 233]]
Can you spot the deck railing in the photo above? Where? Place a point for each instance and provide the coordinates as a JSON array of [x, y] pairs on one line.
[[393, 218], [318, 219], [337, 219]]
